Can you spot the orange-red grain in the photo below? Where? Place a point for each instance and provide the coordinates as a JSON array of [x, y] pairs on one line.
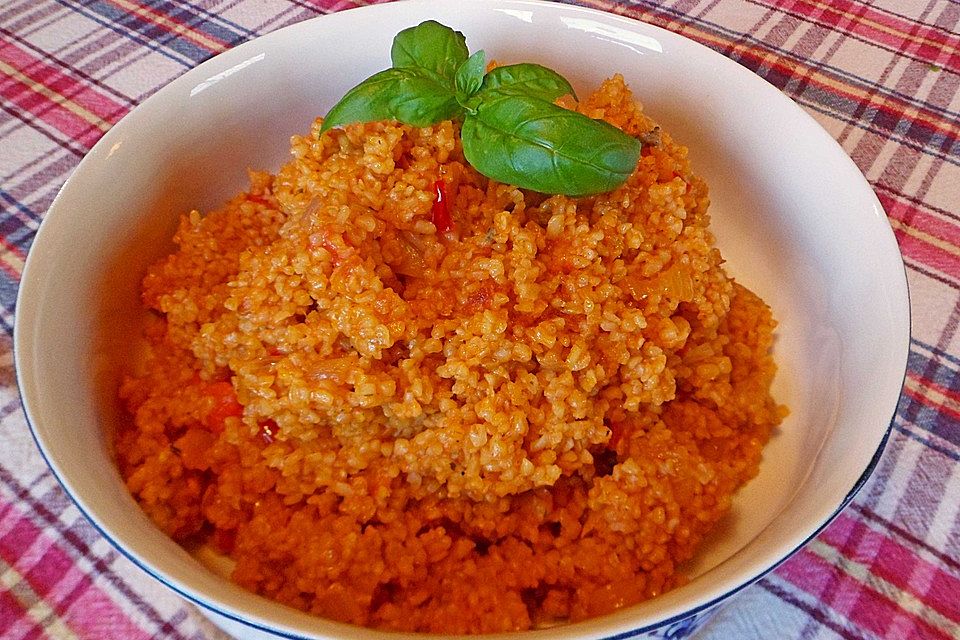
[[532, 417]]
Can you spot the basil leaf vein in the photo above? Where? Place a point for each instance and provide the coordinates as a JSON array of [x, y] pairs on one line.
[[469, 76], [430, 45], [412, 96], [527, 79], [534, 144]]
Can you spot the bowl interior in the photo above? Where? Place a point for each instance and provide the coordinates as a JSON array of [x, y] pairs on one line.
[[794, 218]]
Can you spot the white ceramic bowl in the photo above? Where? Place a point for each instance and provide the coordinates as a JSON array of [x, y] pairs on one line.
[[795, 219]]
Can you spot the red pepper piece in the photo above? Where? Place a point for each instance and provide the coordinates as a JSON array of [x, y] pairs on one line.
[[441, 215], [225, 405], [616, 434], [258, 199], [225, 540], [268, 430], [334, 242]]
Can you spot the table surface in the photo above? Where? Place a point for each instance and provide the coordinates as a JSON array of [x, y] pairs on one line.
[[882, 77]]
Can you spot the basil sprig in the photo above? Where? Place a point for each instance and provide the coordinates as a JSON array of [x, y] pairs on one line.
[[512, 131]]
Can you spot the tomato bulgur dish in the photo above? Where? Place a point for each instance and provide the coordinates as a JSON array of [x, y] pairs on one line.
[[399, 394]]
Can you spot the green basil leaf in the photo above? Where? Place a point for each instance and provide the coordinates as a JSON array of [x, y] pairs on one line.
[[470, 76], [529, 80], [512, 130], [432, 46], [534, 144], [412, 96], [423, 99]]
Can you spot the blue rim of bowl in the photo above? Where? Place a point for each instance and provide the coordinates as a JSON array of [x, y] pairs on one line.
[[703, 607]]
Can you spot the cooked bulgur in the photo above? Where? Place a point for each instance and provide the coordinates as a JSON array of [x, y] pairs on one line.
[[535, 416]]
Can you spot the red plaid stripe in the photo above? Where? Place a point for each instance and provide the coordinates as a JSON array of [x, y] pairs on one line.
[[883, 77], [49, 588]]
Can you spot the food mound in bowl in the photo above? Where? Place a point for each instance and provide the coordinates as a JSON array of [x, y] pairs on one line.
[[399, 394]]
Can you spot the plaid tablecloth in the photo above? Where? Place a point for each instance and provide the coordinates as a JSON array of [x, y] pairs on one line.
[[882, 76]]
